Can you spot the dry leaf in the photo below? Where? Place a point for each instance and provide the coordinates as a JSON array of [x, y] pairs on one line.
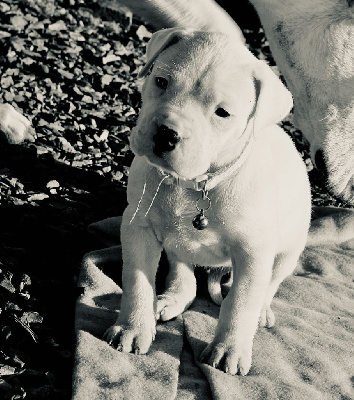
[[58, 26]]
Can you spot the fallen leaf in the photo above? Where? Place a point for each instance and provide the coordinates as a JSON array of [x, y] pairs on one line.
[[4, 8], [28, 61], [58, 26], [106, 79], [143, 33], [4, 35], [6, 82], [110, 58], [18, 22], [9, 96], [18, 44], [66, 74]]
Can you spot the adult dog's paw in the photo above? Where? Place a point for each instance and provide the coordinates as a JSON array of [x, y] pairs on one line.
[[130, 339], [228, 357], [15, 126]]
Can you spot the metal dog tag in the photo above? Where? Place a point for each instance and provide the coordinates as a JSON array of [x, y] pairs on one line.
[[200, 221]]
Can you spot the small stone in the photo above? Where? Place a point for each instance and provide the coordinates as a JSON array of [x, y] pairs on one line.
[[6, 369], [10, 306], [53, 184], [117, 175], [31, 317], [6, 284], [37, 197]]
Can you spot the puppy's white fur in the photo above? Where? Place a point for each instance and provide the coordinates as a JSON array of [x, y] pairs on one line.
[[259, 215]]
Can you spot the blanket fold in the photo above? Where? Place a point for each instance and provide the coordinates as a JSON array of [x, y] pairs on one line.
[[308, 354]]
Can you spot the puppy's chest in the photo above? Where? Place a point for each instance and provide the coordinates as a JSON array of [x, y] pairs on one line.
[[175, 229]]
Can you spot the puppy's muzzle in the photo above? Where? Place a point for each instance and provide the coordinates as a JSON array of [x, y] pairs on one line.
[[165, 140]]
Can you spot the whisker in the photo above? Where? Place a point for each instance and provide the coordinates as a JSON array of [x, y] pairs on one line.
[[139, 203], [157, 190]]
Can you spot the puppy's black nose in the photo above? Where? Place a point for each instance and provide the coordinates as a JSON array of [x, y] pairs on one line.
[[165, 140]]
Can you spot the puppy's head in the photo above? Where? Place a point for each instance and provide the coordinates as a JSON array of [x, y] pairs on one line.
[[202, 95]]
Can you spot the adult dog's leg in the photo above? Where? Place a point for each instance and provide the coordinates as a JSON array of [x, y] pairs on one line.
[[192, 14]]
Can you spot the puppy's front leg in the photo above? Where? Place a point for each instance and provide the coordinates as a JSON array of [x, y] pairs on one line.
[[136, 325], [231, 349]]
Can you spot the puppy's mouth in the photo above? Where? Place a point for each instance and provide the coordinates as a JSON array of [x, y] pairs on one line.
[[166, 169]]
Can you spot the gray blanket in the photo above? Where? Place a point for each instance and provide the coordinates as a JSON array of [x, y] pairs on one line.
[[308, 354]]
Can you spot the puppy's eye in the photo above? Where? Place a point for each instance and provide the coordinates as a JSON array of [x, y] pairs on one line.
[[221, 112], [160, 82]]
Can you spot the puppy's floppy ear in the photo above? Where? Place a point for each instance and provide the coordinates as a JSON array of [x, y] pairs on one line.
[[159, 42], [273, 99]]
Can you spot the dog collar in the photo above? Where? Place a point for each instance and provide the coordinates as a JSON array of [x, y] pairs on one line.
[[205, 182]]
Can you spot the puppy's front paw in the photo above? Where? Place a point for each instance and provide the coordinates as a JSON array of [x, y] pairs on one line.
[[131, 339], [228, 357]]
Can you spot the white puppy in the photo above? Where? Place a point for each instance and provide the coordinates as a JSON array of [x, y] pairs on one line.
[[210, 155]]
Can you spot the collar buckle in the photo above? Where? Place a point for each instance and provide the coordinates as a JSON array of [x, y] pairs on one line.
[[198, 183]]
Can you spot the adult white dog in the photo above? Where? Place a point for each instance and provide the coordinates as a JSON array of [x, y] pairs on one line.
[[209, 154], [313, 45]]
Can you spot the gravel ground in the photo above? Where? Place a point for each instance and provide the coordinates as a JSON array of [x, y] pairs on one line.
[[70, 66]]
